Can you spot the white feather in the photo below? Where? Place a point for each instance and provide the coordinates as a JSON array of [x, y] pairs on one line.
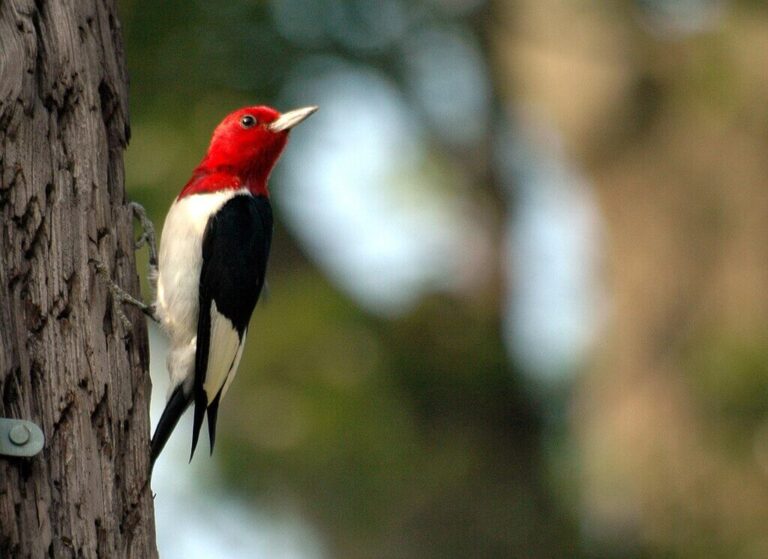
[[181, 365], [233, 372], [178, 280], [223, 354]]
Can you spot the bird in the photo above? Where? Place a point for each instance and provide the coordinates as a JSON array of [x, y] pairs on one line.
[[212, 263]]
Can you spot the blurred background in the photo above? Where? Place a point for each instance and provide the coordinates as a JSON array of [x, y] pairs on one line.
[[517, 299]]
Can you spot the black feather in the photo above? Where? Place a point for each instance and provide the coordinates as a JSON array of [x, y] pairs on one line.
[[213, 412], [236, 247], [201, 403], [176, 406]]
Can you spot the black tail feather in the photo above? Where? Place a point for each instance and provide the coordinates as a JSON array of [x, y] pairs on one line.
[[213, 412], [174, 409], [201, 402]]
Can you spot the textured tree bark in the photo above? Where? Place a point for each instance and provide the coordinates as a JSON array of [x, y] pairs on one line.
[[65, 360]]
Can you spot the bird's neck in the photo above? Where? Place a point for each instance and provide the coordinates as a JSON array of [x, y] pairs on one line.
[[206, 180], [231, 165]]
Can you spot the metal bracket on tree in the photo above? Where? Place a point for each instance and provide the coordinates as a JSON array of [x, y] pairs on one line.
[[19, 437]]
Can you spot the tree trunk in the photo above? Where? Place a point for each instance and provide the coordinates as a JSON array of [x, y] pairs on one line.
[[66, 362]]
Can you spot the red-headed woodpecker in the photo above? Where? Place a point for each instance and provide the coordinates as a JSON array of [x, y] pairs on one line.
[[213, 258]]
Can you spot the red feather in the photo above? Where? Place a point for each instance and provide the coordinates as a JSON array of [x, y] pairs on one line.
[[239, 156]]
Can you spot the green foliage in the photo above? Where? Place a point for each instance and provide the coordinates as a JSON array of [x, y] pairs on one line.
[[730, 376], [414, 434]]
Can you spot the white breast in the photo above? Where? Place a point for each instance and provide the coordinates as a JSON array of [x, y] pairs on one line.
[[178, 279]]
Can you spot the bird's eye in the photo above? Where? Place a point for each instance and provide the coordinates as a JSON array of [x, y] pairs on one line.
[[247, 121]]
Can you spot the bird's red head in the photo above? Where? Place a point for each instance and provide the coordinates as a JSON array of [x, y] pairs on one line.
[[244, 149]]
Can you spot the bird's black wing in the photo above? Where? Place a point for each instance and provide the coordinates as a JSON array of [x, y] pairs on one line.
[[235, 252]]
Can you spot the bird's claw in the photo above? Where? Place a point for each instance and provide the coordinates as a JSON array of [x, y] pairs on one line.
[[121, 297], [148, 237]]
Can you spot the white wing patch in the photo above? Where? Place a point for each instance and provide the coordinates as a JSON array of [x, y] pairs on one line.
[[233, 372], [224, 352]]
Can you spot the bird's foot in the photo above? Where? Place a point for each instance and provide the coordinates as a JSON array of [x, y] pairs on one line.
[[121, 297], [148, 237]]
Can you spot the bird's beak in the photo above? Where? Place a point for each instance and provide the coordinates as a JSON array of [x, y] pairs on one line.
[[288, 120]]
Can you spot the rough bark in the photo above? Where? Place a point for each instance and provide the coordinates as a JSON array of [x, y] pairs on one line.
[[65, 360]]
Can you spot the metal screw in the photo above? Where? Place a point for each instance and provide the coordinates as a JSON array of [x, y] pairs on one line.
[[19, 435]]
